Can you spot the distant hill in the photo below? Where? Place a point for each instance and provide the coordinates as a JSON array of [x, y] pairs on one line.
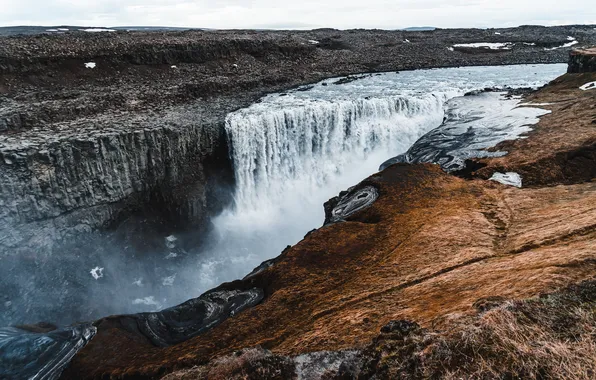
[[30, 30], [419, 28]]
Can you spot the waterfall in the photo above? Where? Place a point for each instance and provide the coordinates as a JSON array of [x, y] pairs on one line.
[[301, 149]]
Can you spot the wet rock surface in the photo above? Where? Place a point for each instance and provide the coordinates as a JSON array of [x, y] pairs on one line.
[[349, 203], [472, 124], [426, 250], [96, 127], [41, 351], [136, 124], [182, 322]]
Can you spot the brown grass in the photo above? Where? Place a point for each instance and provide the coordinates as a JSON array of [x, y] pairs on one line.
[[546, 338]]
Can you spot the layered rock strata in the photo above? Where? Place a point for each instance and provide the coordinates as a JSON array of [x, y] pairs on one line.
[[582, 61], [430, 248], [95, 128]]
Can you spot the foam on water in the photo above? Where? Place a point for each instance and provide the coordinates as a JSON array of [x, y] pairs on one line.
[[291, 153], [294, 151]]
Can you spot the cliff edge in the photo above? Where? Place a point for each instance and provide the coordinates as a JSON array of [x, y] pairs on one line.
[[417, 273]]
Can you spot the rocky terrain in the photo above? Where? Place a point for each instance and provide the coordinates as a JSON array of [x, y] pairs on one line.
[[415, 270], [442, 267], [89, 121]]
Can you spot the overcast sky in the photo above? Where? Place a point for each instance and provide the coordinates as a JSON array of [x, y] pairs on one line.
[[297, 14]]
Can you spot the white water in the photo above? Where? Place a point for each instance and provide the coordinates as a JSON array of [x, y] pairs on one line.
[[294, 151], [291, 152]]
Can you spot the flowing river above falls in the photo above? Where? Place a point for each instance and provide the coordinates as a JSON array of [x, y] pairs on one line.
[[291, 153]]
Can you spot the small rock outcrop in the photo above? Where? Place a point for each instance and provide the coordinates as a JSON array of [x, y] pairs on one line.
[[582, 61], [411, 243]]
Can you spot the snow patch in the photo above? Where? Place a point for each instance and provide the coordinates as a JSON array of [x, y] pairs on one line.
[[487, 45], [509, 178], [97, 30], [406, 41], [450, 48], [51, 30], [174, 67], [569, 44], [532, 104], [90, 65], [97, 273], [497, 33], [588, 86], [313, 42]]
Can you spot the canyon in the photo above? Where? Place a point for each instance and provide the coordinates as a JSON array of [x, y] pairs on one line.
[[137, 150]]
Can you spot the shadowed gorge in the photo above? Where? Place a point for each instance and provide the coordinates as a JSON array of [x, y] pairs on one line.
[[143, 175]]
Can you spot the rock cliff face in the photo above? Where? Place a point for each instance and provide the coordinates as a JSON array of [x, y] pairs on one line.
[[409, 243], [96, 128], [82, 178], [583, 61]]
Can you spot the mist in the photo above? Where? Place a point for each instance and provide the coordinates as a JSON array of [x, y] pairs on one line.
[[291, 153]]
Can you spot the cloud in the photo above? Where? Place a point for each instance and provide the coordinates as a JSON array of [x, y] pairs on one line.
[[305, 14]]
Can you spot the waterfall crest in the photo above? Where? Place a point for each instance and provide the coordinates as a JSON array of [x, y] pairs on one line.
[[303, 148]]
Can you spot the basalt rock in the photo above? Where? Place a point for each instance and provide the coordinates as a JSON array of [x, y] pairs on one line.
[[432, 248], [140, 133], [582, 61], [39, 352]]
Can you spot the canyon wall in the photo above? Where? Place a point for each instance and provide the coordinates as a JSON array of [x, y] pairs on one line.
[[54, 188], [582, 61], [97, 128]]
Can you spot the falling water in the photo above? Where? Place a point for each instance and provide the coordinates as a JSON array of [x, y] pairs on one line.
[[294, 151], [291, 153]]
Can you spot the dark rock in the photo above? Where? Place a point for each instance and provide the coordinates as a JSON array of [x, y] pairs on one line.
[[400, 327], [28, 354], [349, 203], [183, 322], [582, 61]]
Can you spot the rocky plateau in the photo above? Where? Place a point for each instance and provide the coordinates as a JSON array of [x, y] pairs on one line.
[[416, 269]]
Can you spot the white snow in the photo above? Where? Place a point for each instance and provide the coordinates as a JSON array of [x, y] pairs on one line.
[[169, 281], [497, 33], [235, 65], [63, 29], [532, 104], [569, 44], [489, 45], [174, 67], [97, 273], [588, 86], [314, 42], [51, 30], [90, 65], [406, 41], [529, 43], [450, 48], [509, 178], [97, 30]]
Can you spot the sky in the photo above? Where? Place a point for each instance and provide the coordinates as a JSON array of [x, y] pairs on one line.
[[297, 14]]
